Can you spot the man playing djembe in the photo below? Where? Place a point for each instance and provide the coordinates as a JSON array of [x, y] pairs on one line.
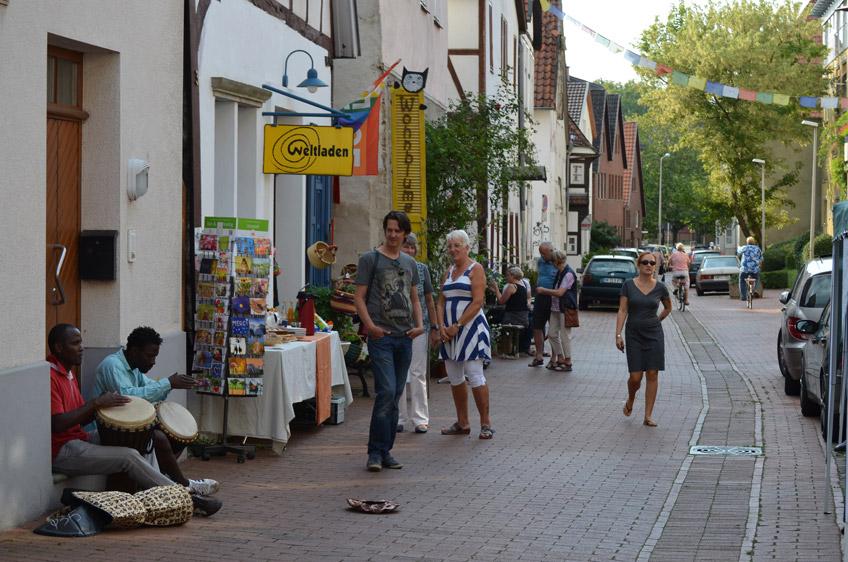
[[125, 372]]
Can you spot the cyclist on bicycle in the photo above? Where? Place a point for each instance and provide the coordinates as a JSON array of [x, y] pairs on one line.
[[752, 259], [678, 263]]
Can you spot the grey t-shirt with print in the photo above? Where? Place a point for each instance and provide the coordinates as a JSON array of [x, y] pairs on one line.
[[389, 283]]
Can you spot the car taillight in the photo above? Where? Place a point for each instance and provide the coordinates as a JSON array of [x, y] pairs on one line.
[[706, 277], [587, 278], [792, 326]]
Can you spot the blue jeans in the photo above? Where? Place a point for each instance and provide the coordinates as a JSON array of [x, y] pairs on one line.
[[743, 287], [390, 359]]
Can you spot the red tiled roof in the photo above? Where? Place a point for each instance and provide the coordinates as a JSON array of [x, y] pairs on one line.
[[546, 61], [631, 134]]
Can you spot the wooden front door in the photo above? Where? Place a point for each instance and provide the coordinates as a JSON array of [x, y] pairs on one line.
[[64, 144]]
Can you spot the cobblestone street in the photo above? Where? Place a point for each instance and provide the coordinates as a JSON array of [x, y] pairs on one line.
[[567, 476]]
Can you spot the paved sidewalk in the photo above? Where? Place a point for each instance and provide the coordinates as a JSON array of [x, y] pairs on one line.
[[791, 524], [567, 476]]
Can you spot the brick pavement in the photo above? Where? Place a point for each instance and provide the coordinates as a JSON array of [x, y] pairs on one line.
[[566, 477], [791, 524]]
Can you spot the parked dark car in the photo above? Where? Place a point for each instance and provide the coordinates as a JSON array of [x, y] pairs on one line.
[[603, 278], [815, 381], [697, 259], [809, 295]]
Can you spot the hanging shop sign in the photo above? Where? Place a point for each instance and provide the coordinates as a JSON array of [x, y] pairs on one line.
[[408, 157], [308, 150]]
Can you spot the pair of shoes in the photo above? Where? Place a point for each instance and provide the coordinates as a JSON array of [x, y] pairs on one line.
[[649, 422], [562, 367], [205, 506], [374, 464], [551, 365], [456, 429], [400, 428], [391, 462], [203, 487], [421, 428], [536, 363], [486, 432]]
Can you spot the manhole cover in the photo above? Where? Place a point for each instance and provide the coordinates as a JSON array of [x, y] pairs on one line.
[[726, 451]]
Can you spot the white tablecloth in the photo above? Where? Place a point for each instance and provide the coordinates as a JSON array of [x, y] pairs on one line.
[[289, 378]]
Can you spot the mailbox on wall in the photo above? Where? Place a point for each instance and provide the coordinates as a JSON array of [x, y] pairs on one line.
[[97, 255]]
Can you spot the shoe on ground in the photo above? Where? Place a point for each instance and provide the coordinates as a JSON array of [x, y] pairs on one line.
[[400, 428], [421, 428], [375, 463], [203, 487], [391, 462], [205, 506]]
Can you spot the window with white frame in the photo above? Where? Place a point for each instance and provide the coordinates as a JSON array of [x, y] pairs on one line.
[[571, 244]]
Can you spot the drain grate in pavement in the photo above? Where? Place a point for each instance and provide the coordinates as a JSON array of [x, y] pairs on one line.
[[726, 451]]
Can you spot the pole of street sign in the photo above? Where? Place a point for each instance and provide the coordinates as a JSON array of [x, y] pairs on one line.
[[815, 127], [659, 212]]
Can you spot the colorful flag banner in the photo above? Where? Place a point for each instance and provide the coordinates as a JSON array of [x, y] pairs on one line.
[[682, 79]]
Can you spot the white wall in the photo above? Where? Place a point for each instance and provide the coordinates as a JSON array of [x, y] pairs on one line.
[[240, 42]]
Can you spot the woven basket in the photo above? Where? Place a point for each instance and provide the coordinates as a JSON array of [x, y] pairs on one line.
[[321, 254]]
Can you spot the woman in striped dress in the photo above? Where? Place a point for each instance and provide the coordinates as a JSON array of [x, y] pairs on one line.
[[465, 334]]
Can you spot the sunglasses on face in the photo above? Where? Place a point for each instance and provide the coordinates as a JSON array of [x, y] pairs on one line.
[[646, 262]]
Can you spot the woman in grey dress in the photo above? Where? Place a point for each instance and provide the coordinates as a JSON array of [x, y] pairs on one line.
[[638, 303]]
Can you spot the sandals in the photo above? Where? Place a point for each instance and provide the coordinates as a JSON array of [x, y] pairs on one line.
[[551, 365], [536, 363], [486, 432], [627, 411], [456, 429], [649, 422], [562, 367]]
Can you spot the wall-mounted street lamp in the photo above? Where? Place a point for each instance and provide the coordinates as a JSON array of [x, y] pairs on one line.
[[312, 82]]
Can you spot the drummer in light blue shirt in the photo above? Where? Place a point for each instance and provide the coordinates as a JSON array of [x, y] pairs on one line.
[[125, 372]]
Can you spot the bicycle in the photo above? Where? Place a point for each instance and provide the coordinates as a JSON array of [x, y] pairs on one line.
[[751, 282], [680, 291]]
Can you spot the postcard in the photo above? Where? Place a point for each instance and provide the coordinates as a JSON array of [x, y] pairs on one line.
[[219, 339], [206, 290], [240, 326], [205, 312], [241, 305], [223, 244], [221, 321], [243, 286], [245, 246], [262, 247], [256, 346], [208, 242], [221, 306], [257, 327], [218, 354], [202, 337], [217, 370], [202, 360], [235, 387], [238, 366], [208, 265], [254, 387], [222, 289], [238, 346], [258, 307], [255, 366], [244, 265], [261, 267], [259, 288]]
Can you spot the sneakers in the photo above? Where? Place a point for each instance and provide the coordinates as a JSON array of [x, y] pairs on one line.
[[203, 487], [205, 506], [399, 428], [421, 428], [375, 463], [391, 462]]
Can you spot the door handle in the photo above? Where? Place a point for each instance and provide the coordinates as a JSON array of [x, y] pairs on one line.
[[60, 297]]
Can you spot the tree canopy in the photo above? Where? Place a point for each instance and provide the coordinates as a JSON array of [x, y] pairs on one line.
[[757, 45]]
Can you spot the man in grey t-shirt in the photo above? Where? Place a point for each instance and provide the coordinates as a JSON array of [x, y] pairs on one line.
[[386, 300]]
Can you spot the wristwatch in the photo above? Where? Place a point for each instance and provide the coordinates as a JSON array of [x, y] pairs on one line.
[[435, 327]]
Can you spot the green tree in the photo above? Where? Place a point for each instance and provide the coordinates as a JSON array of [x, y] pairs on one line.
[[603, 236], [759, 45], [472, 157]]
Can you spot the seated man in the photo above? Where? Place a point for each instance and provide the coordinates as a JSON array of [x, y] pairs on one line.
[[124, 372], [76, 452]]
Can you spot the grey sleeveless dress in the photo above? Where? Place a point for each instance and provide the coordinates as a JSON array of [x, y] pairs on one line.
[[643, 334]]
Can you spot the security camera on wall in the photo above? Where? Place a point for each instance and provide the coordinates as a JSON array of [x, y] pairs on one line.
[[137, 170]]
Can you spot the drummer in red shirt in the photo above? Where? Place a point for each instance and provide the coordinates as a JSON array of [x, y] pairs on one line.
[[76, 452]]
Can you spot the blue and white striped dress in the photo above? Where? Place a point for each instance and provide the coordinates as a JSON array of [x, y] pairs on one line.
[[472, 341]]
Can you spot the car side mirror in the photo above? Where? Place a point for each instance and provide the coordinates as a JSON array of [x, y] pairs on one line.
[[807, 326], [579, 270], [784, 297]]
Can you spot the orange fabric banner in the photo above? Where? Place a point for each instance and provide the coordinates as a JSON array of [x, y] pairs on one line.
[[366, 143], [323, 376]]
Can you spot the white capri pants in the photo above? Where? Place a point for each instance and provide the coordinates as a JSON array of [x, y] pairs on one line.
[[559, 336], [458, 370]]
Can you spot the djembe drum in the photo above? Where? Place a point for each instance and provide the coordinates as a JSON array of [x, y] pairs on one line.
[[130, 425], [177, 423]]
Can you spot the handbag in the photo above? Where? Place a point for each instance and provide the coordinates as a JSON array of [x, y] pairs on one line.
[[572, 320]]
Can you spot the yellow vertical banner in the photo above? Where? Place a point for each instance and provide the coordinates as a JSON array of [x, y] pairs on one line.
[[409, 180]]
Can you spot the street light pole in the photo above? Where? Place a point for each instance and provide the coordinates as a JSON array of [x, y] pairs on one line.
[[762, 164], [815, 127], [659, 212]]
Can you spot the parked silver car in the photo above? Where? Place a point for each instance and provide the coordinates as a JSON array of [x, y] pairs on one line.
[[815, 383], [714, 274], [809, 295]]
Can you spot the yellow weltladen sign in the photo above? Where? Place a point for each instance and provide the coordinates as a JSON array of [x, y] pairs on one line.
[[308, 150], [409, 185]]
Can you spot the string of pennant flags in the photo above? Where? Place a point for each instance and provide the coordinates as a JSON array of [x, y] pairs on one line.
[[696, 82]]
